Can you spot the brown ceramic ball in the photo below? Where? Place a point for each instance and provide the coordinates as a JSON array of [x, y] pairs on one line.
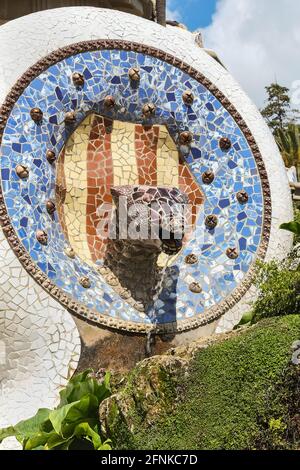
[[78, 79], [22, 171], [188, 97], [36, 115]]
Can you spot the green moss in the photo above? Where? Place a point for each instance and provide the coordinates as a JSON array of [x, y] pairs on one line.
[[232, 398], [296, 219], [279, 291]]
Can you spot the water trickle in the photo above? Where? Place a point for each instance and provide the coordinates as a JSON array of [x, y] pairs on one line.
[[149, 343]]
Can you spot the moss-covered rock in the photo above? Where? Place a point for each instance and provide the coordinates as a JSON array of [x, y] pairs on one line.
[[237, 391], [150, 393]]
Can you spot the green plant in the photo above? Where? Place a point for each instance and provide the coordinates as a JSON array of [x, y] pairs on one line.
[[293, 227], [277, 425], [277, 107], [279, 291], [247, 319], [73, 425], [288, 141]]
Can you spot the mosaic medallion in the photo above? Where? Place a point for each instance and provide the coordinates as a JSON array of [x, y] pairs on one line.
[[103, 115]]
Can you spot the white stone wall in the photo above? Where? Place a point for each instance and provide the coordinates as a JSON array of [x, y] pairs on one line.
[[39, 343], [28, 314]]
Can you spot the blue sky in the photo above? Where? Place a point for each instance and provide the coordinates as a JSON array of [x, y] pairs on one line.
[[194, 13]]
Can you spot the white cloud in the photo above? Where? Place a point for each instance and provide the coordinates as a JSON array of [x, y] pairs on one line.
[[258, 41], [173, 12]]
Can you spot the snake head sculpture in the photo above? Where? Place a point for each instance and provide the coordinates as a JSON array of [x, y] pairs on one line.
[[151, 215], [147, 221]]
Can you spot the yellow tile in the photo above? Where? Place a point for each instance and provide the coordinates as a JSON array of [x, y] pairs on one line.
[[76, 197], [167, 159], [123, 153]]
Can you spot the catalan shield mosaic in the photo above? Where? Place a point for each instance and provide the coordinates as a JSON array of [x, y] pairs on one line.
[[100, 115]]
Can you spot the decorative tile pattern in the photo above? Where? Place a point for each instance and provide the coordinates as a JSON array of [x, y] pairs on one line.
[[102, 153], [25, 142], [146, 140], [100, 177]]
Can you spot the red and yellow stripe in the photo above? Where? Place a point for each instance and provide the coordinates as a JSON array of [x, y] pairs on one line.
[[103, 153]]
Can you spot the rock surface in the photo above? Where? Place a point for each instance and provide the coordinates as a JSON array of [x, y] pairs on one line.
[[152, 385], [237, 391]]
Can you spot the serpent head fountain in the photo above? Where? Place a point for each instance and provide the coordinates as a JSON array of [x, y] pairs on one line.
[[147, 221]]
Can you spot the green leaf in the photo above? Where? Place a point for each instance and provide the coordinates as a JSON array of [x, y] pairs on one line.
[[66, 444], [27, 428], [83, 385], [66, 395], [38, 440], [106, 446], [57, 417], [103, 391], [293, 227], [55, 441], [247, 318], [7, 432], [79, 378], [72, 413], [83, 430], [74, 424]]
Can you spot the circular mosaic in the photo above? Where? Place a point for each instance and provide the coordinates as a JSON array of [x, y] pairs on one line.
[[107, 114]]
